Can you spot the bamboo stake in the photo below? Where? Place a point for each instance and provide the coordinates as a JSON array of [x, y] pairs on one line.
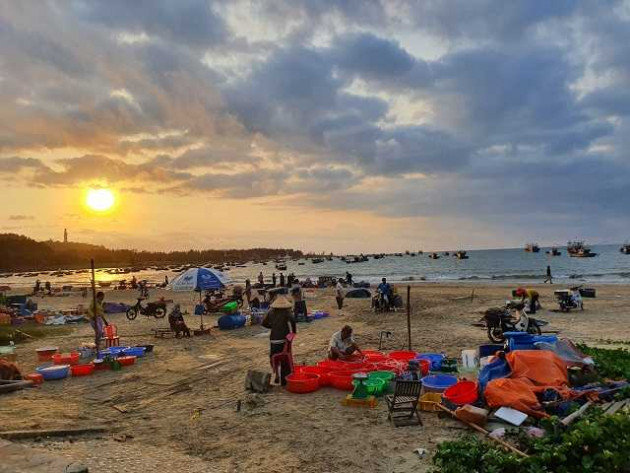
[[409, 316]]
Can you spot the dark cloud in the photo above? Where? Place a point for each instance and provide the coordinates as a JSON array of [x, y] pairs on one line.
[[21, 218], [191, 22]]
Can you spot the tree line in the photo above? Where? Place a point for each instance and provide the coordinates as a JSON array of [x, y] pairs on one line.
[[21, 253]]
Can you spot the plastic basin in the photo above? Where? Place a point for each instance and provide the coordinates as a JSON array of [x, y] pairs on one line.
[[374, 386], [391, 365], [402, 355], [438, 382], [429, 402], [435, 359], [324, 379], [66, 358], [462, 392], [302, 383], [82, 370], [134, 351], [46, 353], [342, 380], [53, 372], [126, 360]]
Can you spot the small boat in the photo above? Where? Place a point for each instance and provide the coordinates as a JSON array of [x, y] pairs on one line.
[[532, 248], [420, 252], [461, 254], [104, 283], [625, 249], [317, 260], [434, 256], [446, 253], [281, 267], [577, 249], [554, 252]]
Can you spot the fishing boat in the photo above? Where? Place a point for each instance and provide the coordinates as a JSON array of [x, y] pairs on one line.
[[434, 256], [317, 260], [446, 253], [577, 249], [281, 267], [554, 252], [625, 249], [461, 254], [532, 248]]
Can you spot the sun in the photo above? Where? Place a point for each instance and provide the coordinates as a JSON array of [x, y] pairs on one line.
[[100, 200]]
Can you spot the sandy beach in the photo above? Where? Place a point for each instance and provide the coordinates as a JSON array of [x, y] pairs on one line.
[[177, 406]]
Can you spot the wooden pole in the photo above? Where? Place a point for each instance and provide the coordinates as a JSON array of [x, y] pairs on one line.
[[96, 339], [409, 317]]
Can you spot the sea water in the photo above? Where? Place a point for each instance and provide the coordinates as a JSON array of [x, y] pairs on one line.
[[502, 265]]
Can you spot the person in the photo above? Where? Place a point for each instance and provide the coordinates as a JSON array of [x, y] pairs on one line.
[[248, 291], [281, 279], [342, 344], [48, 288], [532, 295], [273, 279], [290, 279], [165, 281], [177, 323], [237, 294], [38, 287], [385, 290], [134, 283], [348, 278], [261, 279], [548, 278], [281, 322], [413, 372], [339, 294], [299, 305], [96, 317]]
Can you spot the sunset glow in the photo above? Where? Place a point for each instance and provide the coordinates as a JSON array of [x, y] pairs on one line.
[[100, 200]]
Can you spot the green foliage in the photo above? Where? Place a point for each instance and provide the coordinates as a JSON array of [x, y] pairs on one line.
[[595, 443], [614, 364]]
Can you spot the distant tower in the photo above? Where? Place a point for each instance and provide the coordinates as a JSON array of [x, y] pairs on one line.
[[65, 235]]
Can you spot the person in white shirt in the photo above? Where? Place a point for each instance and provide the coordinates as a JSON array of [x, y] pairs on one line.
[[342, 344], [339, 295]]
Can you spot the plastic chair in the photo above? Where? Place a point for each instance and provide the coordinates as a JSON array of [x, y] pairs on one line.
[[286, 356], [111, 336]]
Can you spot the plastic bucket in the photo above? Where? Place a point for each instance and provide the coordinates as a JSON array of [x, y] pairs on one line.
[[82, 370], [463, 392], [402, 355], [324, 379]]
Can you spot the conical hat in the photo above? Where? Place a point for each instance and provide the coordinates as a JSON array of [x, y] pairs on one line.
[[281, 302]]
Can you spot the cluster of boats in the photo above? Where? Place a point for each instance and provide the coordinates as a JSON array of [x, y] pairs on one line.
[[575, 249]]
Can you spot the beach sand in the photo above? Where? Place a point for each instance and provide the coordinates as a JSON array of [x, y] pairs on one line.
[[179, 403]]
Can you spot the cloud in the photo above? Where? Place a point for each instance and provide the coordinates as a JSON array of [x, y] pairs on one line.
[[456, 106], [20, 218]]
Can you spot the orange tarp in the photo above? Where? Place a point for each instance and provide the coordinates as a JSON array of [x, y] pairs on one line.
[[533, 371]]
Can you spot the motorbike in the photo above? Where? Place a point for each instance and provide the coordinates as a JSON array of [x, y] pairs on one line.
[[152, 309], [511, 318], [569, 299]]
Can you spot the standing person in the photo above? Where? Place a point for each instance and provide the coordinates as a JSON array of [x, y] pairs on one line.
[[48, 288], [281, 323], [385, 291], [281, 280], [38, 287], [261, 279], [290, 279], [339, 294], [248, 291], [348, 278], [166, 281], [532, 296], [273, 279], [96, 317], [548, 278], [134, 282]]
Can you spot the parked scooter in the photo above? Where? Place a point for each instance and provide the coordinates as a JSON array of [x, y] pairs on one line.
[[511, 318], [569, 299], [152, 309]]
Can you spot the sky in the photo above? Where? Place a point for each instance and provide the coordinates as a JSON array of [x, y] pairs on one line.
[[322, 125]]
